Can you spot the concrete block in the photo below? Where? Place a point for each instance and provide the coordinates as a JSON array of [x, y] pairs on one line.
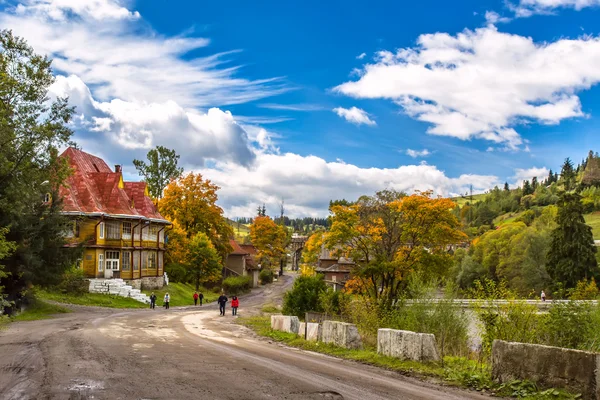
[[407, 345], [285, 323], [575, 370], [302, 329], [341, 334], [313, 331]]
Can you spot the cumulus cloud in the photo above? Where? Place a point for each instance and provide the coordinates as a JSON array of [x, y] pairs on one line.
[[307, 183], [483, 83], [417, 153], [527, 8], [354, 115], [492, 17], [88, 9], [361, 56], [528, 174], [197, 136]]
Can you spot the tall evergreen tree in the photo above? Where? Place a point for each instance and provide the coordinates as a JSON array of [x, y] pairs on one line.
[[506, 187], [527, 188], [534, 183], [550, 178], [571, 257], [567, 174]]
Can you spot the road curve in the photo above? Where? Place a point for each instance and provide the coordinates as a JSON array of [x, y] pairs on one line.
[[181, 354]]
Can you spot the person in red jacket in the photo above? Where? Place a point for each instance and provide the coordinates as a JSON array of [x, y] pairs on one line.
[[235, 303], [195, 298]]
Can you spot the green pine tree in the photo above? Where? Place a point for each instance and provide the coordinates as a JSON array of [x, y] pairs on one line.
[[572, 254]]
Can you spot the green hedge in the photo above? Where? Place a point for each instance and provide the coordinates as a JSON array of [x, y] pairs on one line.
[[266, 276], [236, 285]]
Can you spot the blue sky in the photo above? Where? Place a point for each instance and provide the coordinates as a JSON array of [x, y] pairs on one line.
[[318, 100]]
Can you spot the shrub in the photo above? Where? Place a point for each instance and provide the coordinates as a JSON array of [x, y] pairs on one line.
[[236, 285], [266, 276], [585, 290], [177, 273], [304, 296], [73, 281], [334, 302]]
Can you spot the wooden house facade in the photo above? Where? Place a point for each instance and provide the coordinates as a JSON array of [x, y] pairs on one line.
[[122, 232]]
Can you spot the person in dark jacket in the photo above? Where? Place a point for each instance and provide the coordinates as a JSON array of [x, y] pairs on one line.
[[152, 300], [235, 303], [200, 297], [222, 302]]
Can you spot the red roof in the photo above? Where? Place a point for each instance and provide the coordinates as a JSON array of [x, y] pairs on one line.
[[237, 249], [94, 188]]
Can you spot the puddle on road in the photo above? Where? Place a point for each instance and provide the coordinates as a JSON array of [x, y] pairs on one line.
[[137, 346], [85, 385]]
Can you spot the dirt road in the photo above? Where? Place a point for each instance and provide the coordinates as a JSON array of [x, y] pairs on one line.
[[185, 353]]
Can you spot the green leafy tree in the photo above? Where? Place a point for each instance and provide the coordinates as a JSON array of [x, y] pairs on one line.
[[202, 261], [160, 169], [304, 296], [572, 255], [32, 129]]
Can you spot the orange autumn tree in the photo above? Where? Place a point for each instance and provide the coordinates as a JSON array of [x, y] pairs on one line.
[[190, 203], [311, 252], [391, 235], [269, 239]]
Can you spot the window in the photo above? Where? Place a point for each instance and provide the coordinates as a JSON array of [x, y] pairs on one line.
[[113, 230], [78, 263], [73, 231], [47, 198], [100, 262], [152, 260], [144, 260], [126, 230], [112, 260], [126, 261], [152, 232], [136, 260], [101, 230]]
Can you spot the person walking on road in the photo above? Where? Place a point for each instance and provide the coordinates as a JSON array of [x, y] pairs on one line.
[[222, 302], [200, 297], [195, 298], [167, 299], [543, 296], [235, 303], [152, 300]]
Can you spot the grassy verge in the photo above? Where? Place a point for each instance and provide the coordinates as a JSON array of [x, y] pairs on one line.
[[39, 309], [455, 371], [90, 299], [181, 294], [593, 220]]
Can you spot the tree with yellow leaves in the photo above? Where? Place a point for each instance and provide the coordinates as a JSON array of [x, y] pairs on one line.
[[391, 235], [269, 239], [190, 203]]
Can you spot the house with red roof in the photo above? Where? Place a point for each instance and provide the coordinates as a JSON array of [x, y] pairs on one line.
[[241, 262], [120, 228]]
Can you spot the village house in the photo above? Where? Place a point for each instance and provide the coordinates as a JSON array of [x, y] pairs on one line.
[[116, 222], [336, 270], [241, 262]]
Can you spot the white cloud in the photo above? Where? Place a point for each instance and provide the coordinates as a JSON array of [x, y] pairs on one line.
[[196, 136], [114, 51], [417, 153], [492, 17], [354, 115], [528, 174], [89, 9], [308, 183], [527, 8], [361, 56], [483, 83]]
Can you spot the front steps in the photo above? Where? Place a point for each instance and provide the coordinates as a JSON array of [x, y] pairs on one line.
[[117, 287]]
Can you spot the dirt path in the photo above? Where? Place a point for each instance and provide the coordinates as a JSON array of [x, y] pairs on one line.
[[182, 353]]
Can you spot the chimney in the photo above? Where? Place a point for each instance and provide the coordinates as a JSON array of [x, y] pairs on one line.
[[117, 168]]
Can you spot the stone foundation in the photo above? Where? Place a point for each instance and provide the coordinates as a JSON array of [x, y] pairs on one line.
[[578, 371], [147, 283], [407, 345]]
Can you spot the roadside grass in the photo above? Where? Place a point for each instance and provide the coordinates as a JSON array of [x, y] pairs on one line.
[[455, 371], [89, 299], [181, 294], [270, 309], [36, 310]]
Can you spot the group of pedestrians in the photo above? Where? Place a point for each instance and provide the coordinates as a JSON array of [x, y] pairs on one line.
[[235, 303]]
